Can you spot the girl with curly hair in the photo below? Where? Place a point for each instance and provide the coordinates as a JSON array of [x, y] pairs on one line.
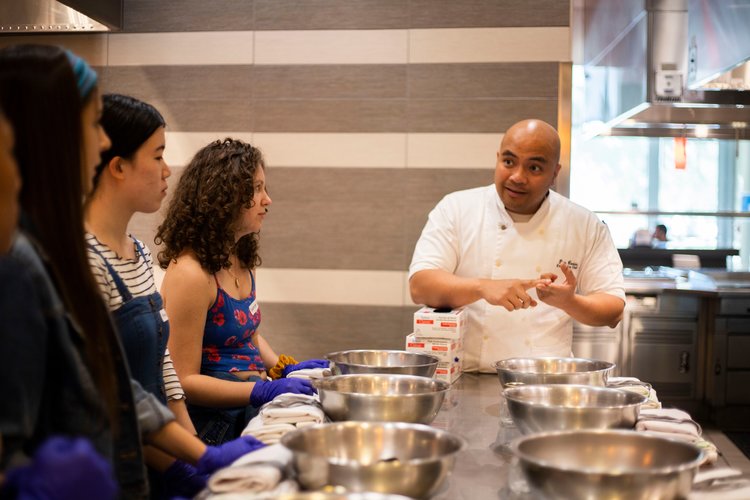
[[210, 238]]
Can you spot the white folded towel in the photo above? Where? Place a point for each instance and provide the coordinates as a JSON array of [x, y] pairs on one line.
[[310, 373], [260, 471], [670, 420], [268, 434], [253, 477], [635, 385], [290, 399], [723, 483], [276, 454], [292, 415], [283, 488]]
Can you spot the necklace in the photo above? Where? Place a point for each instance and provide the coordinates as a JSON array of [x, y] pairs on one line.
[[236, 278]]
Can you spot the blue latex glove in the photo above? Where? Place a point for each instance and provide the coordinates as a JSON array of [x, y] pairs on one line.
[[310, 363], [216, 457], [265, 390], [64, 468], [182, 479]]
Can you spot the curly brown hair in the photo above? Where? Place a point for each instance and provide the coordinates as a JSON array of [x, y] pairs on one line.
[[202, 215]]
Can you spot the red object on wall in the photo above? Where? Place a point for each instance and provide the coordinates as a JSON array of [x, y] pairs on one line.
[[680, 157]]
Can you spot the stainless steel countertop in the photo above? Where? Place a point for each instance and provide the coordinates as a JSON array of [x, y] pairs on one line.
[[486, 468], [472, 410]]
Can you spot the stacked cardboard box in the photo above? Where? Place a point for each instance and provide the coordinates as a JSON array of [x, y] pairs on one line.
[[440, 332]]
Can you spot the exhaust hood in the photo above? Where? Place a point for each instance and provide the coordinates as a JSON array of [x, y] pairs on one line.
[[665, 68], [64, 16]]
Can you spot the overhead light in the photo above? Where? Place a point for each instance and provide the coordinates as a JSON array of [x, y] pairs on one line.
[[739, 124], [701, 131]]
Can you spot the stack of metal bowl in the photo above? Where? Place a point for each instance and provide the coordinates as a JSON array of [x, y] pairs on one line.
[[382, 361], [607, 464], [384, 457], [381, 397]]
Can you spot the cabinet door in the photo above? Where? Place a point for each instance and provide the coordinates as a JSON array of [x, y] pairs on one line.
[[663, 353]]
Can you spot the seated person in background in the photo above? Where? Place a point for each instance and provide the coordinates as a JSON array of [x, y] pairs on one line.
[[210, 238], [659, 238], [641, 239], [525, 260]]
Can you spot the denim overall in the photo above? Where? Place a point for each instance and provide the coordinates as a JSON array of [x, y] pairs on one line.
[[143, 331]]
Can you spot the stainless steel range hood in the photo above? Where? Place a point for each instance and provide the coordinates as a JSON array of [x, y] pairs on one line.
[[666, 67], [64, 16]]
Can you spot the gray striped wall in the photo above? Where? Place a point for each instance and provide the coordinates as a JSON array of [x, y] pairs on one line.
[[363, 132]]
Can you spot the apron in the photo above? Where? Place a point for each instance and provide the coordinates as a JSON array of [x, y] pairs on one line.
[[144, 330], [524, 251]]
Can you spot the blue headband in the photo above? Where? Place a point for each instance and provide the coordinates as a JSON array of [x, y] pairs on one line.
[[85, 76]]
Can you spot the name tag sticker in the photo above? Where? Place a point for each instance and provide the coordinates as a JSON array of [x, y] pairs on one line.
[[163, 315], [254, 307]]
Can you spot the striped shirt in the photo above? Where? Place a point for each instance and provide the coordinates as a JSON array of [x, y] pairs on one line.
[[138, 276]]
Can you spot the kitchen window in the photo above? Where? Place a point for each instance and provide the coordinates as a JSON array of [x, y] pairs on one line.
[[634, 184]]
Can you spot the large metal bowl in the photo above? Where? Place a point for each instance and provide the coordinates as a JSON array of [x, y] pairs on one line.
[[558, 407], [550, 370], [607, 464], [383, 457], [379, 361], [381, 397]]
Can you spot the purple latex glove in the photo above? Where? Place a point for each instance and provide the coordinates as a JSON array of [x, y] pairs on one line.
[[265, 390], [216, 457], [64, 468], [304, 365], [182, 479]]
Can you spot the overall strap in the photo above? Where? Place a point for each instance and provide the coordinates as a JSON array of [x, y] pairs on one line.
[[121, 288]]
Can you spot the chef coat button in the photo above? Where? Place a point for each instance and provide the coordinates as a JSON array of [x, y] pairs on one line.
[[503, 227], [498, 263], [486, 338]]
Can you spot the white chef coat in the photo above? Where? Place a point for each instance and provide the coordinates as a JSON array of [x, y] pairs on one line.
[[470, 234]]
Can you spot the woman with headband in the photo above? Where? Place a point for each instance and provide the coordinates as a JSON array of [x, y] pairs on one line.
[[67, 370]]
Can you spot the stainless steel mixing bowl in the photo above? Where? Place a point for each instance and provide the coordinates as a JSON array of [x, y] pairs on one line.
[[550, 370], [607, 464], [383, 457], [381, 397], [380, 361], [557, 407]]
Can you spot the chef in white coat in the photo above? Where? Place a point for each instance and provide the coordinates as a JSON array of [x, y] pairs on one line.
[[525, 260]]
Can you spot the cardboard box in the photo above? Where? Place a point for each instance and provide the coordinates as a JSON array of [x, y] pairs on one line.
[[449, 371], [440, 323], [447, 350]]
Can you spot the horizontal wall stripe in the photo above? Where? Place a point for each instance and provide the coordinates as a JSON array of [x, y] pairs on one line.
[[340, 81], [452, 150], [334, 150], [312, 330], [331, 47], [211, 48], [483, 80], [217, 15], [182, 146], [206, 48], [187, 15], [91, 46], [351, 150], [473, 45], [333, 286], [487, 13], [330, 14]]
